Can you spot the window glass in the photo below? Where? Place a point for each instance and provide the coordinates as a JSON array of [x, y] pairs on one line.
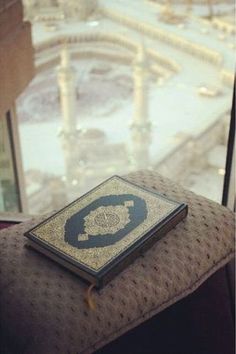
[[126, 85]]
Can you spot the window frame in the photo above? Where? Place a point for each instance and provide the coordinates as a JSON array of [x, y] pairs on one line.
[[15, 156]]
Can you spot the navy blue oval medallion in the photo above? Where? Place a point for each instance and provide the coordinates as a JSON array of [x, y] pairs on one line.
[[75, 225]]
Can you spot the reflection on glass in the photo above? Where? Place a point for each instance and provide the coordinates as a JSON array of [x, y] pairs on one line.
[[126, 85], [9, 197]]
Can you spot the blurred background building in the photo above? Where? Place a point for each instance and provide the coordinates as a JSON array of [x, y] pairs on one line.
[[120, 86]]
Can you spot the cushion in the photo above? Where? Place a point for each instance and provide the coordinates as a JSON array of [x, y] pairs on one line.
[[43, 307], [201, 323]]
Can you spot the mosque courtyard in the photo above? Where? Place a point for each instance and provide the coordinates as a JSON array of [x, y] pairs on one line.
[[141, 92]]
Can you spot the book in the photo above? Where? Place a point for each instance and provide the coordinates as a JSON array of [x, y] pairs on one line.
[[102, 232]]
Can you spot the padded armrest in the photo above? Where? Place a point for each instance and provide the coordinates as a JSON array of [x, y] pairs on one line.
[[42, 305]]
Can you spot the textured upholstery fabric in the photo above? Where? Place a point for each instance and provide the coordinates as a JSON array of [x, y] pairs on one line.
[[4, 225], [201, 323], [42, 305]]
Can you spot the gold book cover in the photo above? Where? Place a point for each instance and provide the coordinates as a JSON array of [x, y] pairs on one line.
[[100, 233]]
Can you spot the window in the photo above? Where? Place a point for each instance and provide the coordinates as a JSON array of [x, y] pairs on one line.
[[125, 85]]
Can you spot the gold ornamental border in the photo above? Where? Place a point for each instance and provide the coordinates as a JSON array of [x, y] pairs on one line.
[[51, 231]]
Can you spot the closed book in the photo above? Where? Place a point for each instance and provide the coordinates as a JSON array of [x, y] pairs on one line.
[[102, 232]]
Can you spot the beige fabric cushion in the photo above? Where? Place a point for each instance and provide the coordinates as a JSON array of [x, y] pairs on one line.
[[42, 304]]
